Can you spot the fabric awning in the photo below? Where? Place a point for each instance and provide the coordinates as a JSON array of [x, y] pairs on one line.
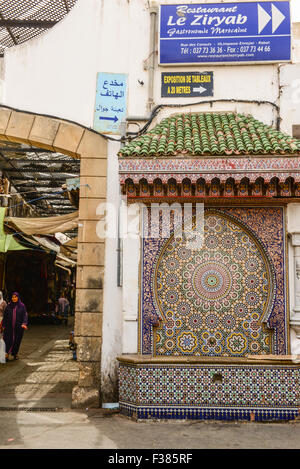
[[65, 261], [7, 241], [44, 226], [47, 243], [70, 248]]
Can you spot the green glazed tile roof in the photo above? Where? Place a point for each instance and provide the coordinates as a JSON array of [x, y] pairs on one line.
[[208, 133]]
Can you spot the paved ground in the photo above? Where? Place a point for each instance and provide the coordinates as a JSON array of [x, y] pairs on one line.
[[84, 430], [45, 373], [35, 411]]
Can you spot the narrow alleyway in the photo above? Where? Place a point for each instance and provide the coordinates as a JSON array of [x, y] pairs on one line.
[[45, 373]]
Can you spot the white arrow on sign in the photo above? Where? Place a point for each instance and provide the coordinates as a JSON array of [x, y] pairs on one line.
[[200, 89], [277, 18], [264, 18]]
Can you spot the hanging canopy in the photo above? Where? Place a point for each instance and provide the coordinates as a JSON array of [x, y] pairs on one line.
[[69, 249], [7, 241], [23, 20], [44, 226]]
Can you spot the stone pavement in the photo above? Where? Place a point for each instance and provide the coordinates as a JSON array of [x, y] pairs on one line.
[[97, 430], [36, 413], [45, 373]]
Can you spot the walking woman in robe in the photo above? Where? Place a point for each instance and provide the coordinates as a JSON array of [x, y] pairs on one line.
[[15, 321]]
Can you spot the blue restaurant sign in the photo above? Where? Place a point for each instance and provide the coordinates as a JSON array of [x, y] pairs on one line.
[[246, 32]]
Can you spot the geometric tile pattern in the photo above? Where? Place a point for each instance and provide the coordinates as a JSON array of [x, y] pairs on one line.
[[210, 391], [206, 177], [216, 413], [213, 300], [268, 224], [196, 169], [172, 286]]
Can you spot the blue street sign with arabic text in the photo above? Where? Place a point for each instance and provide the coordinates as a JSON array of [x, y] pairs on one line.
[[111, 102], [241, 32]]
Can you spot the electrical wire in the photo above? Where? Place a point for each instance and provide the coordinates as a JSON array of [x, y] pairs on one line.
[[40, 198], [29, 202], [159, 107], [154, 113]]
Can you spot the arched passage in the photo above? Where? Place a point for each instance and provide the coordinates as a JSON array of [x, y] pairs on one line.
[[72, 139]]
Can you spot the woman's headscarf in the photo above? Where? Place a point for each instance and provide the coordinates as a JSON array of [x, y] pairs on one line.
[[19, 302]]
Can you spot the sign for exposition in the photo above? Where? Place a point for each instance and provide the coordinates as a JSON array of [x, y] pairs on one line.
[[186, 84], [111, 102], [243, 32]]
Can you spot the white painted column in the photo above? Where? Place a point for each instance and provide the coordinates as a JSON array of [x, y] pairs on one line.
[[112, 300], [293, 229], [295, 310], [131, 262]]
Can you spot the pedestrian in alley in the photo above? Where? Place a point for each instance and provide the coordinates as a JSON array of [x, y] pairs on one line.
[[15, 321], [63, 307]]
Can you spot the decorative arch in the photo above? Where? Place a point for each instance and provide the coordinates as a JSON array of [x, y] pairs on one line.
[[58, 135], [263, 231], [214, 300]]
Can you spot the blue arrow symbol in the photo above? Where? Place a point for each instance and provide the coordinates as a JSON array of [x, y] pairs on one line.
[[115, 119]]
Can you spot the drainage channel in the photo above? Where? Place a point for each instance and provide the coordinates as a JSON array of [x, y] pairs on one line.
[[31, 409]]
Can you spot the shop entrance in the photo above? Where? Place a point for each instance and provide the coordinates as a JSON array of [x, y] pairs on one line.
[[40, 283]]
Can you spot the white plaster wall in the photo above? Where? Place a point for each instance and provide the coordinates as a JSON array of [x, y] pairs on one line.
[[55, 73], [293, 218], [293, 227], [290, 96], [131, 263], [296, 42], [112, 300]]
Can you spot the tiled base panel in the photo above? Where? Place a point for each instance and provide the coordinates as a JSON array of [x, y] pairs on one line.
[[217, 392]]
